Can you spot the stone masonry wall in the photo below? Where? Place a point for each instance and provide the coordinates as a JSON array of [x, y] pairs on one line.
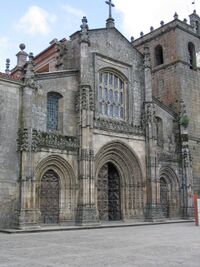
[[67, 85], [9, 162]]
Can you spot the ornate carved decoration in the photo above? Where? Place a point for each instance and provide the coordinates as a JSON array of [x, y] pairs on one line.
[[168, 157], [118, 126], [40, 140], [85, 98], [91, 99], [147, 62], [77, 101], [62, 50], [149, 115], [29, 80]]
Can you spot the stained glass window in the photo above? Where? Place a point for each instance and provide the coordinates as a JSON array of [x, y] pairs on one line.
[[52, 110], [111, 95]]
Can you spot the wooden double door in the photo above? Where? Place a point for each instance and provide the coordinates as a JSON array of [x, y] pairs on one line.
[[49, 198], [108, 193]]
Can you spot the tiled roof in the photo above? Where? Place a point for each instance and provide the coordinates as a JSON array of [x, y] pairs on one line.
[[8, 77]]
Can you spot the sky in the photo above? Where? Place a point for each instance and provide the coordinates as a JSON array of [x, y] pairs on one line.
[[36, 22]]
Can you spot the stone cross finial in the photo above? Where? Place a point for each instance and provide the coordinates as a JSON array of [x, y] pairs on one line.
[[110, 7]]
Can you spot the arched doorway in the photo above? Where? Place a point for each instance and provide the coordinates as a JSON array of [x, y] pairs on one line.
[[49, 197], [117, 164], [108, 193], [169, 193], [164, 197]]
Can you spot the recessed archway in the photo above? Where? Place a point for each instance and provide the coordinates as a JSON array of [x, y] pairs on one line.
[[55, 177], [125, 165], [169, 193]]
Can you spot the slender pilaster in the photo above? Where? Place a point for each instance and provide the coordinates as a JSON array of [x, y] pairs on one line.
[[153, 211], [86, 212], [28, 213], [187, 174]]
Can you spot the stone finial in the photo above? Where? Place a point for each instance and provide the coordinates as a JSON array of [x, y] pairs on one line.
[[30, 56], [141, 34], [185, 21], [84, 25], [7, 70], [30, 68], [151, 28], [21, 55], [194, 12], [175, 16], [162, 23], [84, 37], [132, 39]]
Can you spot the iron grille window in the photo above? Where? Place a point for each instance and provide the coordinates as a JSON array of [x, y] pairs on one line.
[[52, 110], [111, 94]]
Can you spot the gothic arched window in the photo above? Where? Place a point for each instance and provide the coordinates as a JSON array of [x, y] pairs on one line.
[[192, 55], [159, 55], [111, 95], [53, 100]]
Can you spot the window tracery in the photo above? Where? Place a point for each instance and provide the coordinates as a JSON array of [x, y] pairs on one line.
[[53, 110], [111, 95]]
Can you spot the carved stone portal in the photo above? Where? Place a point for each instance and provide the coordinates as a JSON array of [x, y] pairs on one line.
[[109, 202]]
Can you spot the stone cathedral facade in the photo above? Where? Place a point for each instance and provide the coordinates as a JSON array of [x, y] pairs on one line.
[[97, 128]]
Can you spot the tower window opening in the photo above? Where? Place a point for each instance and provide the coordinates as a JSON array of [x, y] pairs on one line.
[[159, 55], [192, 56]]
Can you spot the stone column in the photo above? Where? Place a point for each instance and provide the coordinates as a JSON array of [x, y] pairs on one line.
[[153, 210], [86, 212], [28, 212]]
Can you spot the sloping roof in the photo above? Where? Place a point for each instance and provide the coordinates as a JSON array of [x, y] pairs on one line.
[[8, 77]]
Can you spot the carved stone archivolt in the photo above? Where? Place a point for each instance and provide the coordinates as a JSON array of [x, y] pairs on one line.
[[132, 183], [35, 140]]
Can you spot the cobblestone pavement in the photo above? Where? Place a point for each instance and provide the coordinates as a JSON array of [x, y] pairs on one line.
[[168, 245]]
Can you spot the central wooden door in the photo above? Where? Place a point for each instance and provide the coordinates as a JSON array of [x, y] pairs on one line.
[[108, 187]]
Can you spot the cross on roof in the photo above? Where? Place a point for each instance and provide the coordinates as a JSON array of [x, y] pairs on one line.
[[110, 7]]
